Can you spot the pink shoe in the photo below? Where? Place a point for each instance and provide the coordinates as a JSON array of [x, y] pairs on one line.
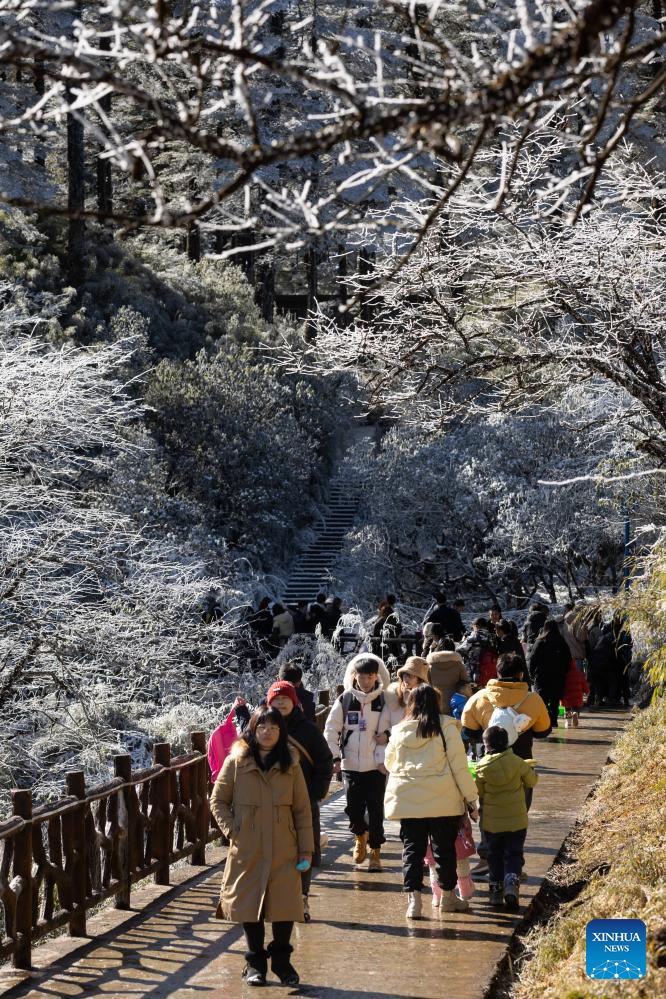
[[465, 887], [436, 890]]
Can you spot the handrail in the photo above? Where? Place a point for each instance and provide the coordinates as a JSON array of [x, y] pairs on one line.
[[61, 858]]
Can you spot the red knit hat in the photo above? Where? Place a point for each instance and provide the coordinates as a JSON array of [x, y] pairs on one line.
[[282, 688]]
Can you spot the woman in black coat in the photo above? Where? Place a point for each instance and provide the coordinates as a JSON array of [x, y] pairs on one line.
[[548, 665]]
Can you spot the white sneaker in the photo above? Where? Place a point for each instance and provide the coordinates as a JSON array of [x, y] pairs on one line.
[[414, 906]]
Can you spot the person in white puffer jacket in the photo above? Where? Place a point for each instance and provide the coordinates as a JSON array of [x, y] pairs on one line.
[[351, 732]]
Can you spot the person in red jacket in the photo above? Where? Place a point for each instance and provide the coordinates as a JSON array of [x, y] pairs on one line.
[[576, 689]]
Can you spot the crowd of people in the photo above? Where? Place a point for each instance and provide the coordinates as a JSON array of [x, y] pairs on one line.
[[273, 623], [446, 744]]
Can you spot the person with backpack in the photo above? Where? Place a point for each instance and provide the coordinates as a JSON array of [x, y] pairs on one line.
[[509, 690], [351, 733], [502, 779], [260, 802], [548, 665], [479, 653], [316, 762], [429, 789]]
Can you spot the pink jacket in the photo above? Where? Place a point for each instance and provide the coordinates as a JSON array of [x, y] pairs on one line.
[[219, 745]]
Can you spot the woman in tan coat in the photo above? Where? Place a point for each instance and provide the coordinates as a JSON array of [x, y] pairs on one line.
[[260, 802], [429, 788], [447, 670]]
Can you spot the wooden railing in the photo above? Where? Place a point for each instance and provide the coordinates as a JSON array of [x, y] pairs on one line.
[[59, 860]]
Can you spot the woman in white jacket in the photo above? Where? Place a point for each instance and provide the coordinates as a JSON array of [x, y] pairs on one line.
[[429, 787]]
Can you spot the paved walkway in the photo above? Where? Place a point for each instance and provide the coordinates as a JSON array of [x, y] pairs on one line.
[[359, 943]]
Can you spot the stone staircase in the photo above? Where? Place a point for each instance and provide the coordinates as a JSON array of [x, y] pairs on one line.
[[311, 570]]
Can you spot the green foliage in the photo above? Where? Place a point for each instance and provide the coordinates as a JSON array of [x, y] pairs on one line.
[[186, 306]]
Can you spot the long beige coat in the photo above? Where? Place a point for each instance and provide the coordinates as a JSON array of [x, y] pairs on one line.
[[447, 670], [267, 819], [425, 781]]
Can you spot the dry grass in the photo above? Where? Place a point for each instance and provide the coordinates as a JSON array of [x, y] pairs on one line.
[[619, 853]]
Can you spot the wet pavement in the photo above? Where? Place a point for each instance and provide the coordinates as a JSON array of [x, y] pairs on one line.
[[359, 942]]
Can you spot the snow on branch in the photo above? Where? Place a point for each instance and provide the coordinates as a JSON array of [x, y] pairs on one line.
[[368, 107], [101, 618]]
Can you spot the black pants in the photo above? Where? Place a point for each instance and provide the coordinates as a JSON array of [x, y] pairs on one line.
[[505, 854], [442, 832], [366, 791], [552, 702], [254, 938], [482, 848], [306, 876]]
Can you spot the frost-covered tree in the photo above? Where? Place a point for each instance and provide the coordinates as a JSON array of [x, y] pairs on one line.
[[101, 618], [251, 446], [395, 96], [494, 309], [467, 508]]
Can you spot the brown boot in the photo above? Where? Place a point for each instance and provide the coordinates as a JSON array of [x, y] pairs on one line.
[[360, 851], [375, 861]]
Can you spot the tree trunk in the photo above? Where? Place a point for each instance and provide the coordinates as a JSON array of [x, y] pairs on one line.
[[265, 289], [39, 148], [75, 197], [343, 289], [312, 276], [366, 265], [76, 191], [193, 242], [104, 178]]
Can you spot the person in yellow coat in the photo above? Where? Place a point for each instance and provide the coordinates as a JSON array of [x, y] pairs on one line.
[[260, 802], [429, 788]]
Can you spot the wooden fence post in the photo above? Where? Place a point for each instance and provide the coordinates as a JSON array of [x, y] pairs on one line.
[[198, 740], [76, 786], [325, 697], [22, 869], [161, 829], [122, 767]]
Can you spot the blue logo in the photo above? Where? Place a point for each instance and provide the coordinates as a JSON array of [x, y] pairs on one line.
[[615, 948]]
